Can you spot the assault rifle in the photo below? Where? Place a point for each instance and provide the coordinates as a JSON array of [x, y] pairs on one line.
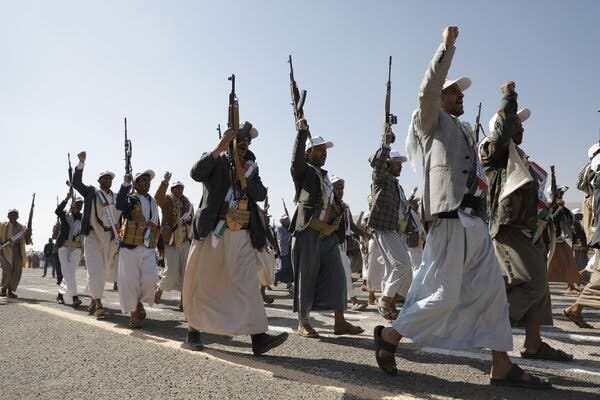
[[266, 205], [69, 182], [390, 119], [30, 219], [128, 149], [285, 210], [553, 186], [360, 221], [478, 124], [298, 97], [233, 122]]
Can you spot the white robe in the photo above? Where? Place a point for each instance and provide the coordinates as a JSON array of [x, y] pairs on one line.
[[221, 293], [457, 299]]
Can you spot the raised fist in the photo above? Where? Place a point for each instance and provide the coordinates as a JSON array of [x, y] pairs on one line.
[[301, 124], [450, 34], [82, 156], [508, 87]]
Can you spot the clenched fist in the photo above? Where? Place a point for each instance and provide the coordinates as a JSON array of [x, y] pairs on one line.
[[450, 34]]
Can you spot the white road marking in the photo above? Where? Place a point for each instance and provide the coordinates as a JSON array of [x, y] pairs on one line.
[[35, 289], [255, 364], [542, 364], [280, 329], [558, 335]]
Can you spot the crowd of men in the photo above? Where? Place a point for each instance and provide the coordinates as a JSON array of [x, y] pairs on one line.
[[467, 262]]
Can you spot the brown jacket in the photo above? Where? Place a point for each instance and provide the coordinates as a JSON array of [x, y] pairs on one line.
[[173, 233]]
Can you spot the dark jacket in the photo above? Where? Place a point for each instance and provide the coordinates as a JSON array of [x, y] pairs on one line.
[[308, 187], [89, 196], [215, 177], [64, 224], [48, 249], [385, 209], [520, 208]]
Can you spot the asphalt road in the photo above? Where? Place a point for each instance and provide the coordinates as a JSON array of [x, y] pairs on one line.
[[52, 351]]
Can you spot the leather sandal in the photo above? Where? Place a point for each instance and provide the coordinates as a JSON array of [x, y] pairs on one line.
[[348, 329], [307, 333], [545, 352], [386, 363], [578, 320], [386, 311], [514, 378]]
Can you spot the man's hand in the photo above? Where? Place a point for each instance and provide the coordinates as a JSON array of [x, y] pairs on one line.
[[69, 195], [128, 178], [508, 87], [301, 124], [82, 157], [228, 136], [167, 177], [450, 34]]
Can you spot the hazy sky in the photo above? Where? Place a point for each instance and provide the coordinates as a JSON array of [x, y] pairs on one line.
[[71, 70]]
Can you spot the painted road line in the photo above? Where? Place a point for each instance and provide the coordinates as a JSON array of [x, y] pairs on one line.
[[35, 289], [543, 364], [558, 335], [240, 361]]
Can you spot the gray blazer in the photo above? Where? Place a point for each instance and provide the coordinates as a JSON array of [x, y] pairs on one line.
[[89, 201], [443, 142]]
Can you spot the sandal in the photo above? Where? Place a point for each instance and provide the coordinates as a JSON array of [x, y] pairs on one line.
[[545, 352], [387, 364], [307, 333], [578, 320], [386, 311], [158, 295], [268, 299], [141, 312], [514, 378], [348, 329], [358, 306], [134, 321]]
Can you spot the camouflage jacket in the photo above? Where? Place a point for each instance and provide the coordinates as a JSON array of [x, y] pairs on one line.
[[520, 208]]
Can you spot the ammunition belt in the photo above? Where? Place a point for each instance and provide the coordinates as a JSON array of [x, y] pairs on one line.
[[324, 228], [237, 219]]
